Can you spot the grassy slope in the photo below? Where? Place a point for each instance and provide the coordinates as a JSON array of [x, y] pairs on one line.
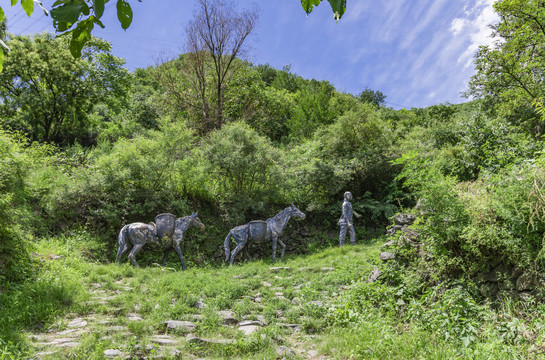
[[312, 292]]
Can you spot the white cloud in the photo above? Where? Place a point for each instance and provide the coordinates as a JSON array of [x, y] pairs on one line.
[[458, 25], [477, 26]]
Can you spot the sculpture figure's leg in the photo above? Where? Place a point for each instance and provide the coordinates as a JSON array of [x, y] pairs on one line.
[[283, 247], [180, 255], [352, 234], [240, 238], [235, 251], [165, 256], [342, 234], [122, 250], [274, 241], [247, 252], [123, 243], [135, 250]]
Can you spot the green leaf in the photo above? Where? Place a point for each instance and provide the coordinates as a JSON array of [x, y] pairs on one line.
[[2, 16], [80, 36], [338, 7], [1, 60], [98, 7], [97, 21], [67, 13], [124, 13], [308, 5], [85, 9], [13, 2], [28, 6]]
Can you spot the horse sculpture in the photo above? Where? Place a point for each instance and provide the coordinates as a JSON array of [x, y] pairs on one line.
[[167, 234], [261, 231]]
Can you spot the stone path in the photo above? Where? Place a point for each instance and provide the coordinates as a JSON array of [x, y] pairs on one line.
[[114, 325]]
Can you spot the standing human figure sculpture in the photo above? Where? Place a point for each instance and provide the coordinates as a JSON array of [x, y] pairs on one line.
[[346, 222]]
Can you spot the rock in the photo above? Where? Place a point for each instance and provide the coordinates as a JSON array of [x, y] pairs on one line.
[[391, 230], [413, 235], [386, 256], [388, 244], [327, 269], [249, 322], [515, 273], [374, 275], [134, 317], [404, 219], [248, 329], [198, 340], [199, 304], [163, 340], [261, 319], [116, 329], [183, 325], [292, 327], [77, 323], [267, 284], [67, 332], [112, 352], [525, 282], [44, 354], [285, 351], [525, 296], [175, 353], [278, 268], [507, 284], [317, 303], [312, 353], [491, 276], [489, 289], [59, 341], [228, 317], [70, 344]]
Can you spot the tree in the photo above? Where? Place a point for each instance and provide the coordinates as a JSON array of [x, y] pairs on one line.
[[216, 39], [376, 98], [511, 72], [47, 94], [79, 17]]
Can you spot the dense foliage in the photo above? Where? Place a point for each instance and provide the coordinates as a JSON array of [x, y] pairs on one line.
[[86, 147]]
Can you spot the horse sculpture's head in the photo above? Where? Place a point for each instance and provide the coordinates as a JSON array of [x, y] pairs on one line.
[[195, 221], [296, 213]]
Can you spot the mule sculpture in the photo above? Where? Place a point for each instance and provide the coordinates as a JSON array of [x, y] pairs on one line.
[[261, 231], [167, 233]]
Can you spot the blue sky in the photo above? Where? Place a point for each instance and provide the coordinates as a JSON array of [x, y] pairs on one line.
[[417, 52]]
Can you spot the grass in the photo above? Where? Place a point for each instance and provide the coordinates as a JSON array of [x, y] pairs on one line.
[[324, 296]]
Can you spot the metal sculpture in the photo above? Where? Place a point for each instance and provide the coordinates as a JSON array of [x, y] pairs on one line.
[[261, 231], [345, 222], [167, 233]]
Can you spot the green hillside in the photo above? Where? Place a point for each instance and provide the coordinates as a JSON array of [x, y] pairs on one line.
[[87, 147]]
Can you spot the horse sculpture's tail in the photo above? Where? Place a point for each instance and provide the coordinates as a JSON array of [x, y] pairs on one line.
[[226, 246], [122, 242]]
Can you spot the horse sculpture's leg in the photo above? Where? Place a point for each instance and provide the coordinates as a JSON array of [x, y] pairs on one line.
[[235, 251], [122, 242], [180, 255], [274, 240], [283, 247], [165, 257], [135, 250]]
